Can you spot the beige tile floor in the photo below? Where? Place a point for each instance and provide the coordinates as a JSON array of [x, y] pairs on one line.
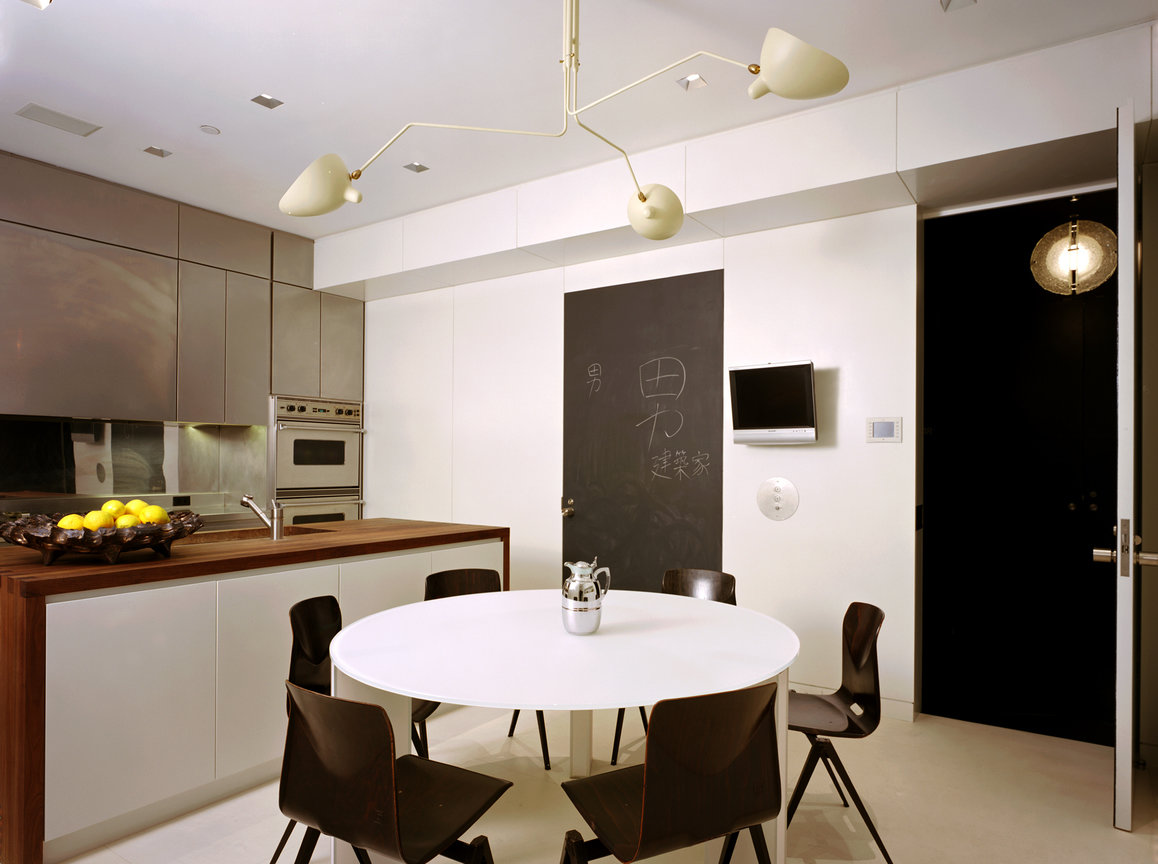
[[940, 791]]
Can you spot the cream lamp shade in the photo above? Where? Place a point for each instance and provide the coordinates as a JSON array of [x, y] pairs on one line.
[[793, 69], [1075, 257], [658, 215], [324, 186]]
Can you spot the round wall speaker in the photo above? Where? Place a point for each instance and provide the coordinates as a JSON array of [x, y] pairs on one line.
[[777, 498]]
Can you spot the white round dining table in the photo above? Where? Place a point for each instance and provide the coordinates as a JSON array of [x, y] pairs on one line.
[[508, 649]]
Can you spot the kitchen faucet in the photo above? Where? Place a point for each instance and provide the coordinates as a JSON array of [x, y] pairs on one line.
[[273, 522]]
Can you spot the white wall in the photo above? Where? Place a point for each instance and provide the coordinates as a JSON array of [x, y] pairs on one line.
[[482, 442]]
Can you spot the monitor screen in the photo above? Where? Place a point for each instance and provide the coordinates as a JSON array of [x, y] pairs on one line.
[[774, 397]]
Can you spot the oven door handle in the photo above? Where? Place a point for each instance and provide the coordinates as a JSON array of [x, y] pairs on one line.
[[289, 503], [319, 427]]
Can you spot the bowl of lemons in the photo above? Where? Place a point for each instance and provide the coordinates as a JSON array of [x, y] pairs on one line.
[[115, 528]]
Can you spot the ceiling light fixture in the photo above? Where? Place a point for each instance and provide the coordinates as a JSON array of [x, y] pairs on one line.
[[692, 82], [1075, 257], [209, 130], [954, 5], [789, 67], [157, 151], [416, 167], [266, 101], [39, 4]]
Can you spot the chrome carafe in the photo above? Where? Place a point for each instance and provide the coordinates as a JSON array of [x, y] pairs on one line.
[[583, 596]]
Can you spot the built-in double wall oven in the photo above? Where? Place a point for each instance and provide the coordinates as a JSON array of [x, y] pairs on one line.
[[315, 458]]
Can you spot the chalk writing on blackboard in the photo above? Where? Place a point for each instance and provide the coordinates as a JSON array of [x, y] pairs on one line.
[[594, 378], [679, 465]]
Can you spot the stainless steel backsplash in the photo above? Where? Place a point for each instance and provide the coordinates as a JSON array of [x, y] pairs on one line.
[[52, 465]]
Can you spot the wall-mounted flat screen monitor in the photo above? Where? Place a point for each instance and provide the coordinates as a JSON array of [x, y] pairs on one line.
[[774, 403]]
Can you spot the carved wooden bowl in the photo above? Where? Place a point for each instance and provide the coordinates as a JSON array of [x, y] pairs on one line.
[[40, 532]]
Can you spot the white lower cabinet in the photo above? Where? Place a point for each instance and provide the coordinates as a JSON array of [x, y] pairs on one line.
[[163, 698], [129, 701], [253, 649]]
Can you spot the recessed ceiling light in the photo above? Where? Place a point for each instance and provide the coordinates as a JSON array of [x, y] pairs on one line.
[[266, 101], [48, 117], [39, 4], [210, 130], [692, 82], [157, 151], [416, 167], [954, 5]]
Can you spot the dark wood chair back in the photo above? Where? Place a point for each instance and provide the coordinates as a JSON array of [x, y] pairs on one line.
[[704, 584], [452, 583], [314, 623], [860, 677]]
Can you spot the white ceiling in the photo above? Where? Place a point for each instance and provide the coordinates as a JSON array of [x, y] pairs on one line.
[[352, 72]]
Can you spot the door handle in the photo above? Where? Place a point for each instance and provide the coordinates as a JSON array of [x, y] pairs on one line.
[[1110, 556], [568, 508]]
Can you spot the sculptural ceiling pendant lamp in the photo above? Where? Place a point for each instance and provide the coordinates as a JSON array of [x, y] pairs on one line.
[[788, 67], [1075, 257]]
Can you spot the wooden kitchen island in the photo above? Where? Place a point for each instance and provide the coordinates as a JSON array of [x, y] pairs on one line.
[[243, 584]]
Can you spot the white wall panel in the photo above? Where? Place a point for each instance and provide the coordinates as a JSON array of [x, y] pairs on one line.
[[821, 147], [592, 199], [362, 253], [1057, 93], [464, 229], [841, 293], [508, 417], [656, 264], [409, 406]]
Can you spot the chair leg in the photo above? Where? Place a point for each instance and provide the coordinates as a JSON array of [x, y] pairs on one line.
[[830, 753], [306, 850], [643, 717], [481, 848], [832, 777], [618, 732], [576, 850], [361, 854], [543, 739], [729, 847], [757, 832], [802, 781], [284, 839], [514, 720], [418, 736]]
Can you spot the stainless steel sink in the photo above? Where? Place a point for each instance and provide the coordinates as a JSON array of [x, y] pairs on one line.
[[246, 534]]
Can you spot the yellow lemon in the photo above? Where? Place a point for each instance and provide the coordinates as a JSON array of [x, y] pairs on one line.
[[114, 508], [154, 514], [96, 519], [73, 522], [136, 506], [128, 520]]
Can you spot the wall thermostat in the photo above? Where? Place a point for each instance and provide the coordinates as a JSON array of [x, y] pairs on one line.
[[777, 498], [883, 430]]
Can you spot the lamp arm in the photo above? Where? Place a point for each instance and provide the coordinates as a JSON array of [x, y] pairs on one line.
[[622, 152], [751, 67], [354, 175]]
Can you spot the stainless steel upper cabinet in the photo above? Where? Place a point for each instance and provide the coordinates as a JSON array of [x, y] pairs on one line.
[[296, 341], [86, 329], [247, 350], [342, 347], [201, 344]]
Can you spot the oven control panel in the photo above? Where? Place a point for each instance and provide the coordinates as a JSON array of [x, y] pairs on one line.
[[306, 409]]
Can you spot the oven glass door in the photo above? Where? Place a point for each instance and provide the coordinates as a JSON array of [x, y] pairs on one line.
[[317, 458]]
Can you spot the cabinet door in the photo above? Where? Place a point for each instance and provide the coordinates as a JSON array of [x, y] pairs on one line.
[[372, 584], [86, 329], [296, 340], [247, 350], [200, 343], [253, 658], [341, 355], [128, 702]]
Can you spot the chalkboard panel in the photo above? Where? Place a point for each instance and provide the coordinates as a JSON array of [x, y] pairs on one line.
[[643, 418]]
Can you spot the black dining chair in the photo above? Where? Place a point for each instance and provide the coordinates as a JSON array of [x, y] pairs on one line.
[[340, 777], [851, 711], [314, 623], [710, 770], [689, 582], [453, 583]]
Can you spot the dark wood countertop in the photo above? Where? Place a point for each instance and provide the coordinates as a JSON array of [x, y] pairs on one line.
[[21, 569]]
